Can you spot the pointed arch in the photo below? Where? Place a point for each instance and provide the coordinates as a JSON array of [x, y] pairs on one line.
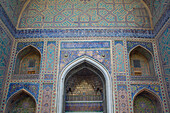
[[27, 47], [147, 90], [141, 61], [71, 66], [21, 100], [149, 99], [28, 60], [142, 48]]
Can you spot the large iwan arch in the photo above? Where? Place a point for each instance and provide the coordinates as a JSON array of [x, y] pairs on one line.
[[85, 59]]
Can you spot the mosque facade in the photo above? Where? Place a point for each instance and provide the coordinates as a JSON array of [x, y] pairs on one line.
[[77, 56]]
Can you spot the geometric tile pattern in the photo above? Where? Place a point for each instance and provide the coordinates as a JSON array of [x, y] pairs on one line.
[[123, 99], [119, 56], [37, 33], [47, 97], [85, 14], [14, 7], [50, 58]]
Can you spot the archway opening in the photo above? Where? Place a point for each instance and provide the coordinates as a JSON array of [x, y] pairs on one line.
[[146, 102], [28, 61], [85, 90], [141, 62], [21, 102]]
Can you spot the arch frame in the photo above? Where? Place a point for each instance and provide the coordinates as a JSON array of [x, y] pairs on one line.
[[153, 60], [149, 91], [18, 92], [16, 55], [72, 65]]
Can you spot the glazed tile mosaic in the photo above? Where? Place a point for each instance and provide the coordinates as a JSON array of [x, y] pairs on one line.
[[74, 10], [120, 67], [101, 56], [47, 97], [88, 14], [50, 56]]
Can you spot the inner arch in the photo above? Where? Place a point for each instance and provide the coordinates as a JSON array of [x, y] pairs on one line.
[[84, 90]]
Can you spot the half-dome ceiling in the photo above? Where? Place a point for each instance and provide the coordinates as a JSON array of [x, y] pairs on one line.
[[85, 14]]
